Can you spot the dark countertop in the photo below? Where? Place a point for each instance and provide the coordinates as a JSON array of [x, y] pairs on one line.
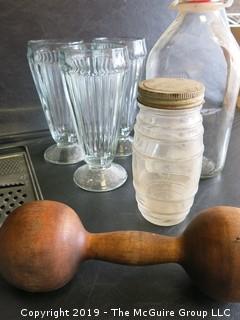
[[104, 285]]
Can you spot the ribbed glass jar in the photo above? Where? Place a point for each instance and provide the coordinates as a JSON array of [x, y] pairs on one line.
[[168, 148]]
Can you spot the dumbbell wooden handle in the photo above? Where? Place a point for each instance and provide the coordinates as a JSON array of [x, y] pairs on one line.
[[134, 248]]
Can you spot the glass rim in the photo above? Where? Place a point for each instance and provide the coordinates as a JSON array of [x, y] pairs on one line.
[[55, 42], [120, 39], [86, 49], [137, 47]]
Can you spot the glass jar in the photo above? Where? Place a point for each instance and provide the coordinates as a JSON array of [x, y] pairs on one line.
[[199, 45], [168, 148]]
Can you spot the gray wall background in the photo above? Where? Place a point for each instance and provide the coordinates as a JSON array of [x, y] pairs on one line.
[[22, 20]]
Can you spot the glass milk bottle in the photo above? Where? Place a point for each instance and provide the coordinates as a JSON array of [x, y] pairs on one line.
[[168, 148], [199, 45]]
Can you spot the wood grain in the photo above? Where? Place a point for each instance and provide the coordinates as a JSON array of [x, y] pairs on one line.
[[43, 242]]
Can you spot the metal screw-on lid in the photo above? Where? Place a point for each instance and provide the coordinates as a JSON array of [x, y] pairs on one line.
[[171, 93]]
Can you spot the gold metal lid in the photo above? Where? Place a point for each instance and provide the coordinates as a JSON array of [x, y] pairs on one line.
[[171, 93]]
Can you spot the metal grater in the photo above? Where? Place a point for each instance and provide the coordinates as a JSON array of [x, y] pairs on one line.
[[18, 182]]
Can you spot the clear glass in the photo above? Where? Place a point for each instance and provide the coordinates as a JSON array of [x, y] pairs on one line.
[[199, 45], [137, 54], [95, 80], [43, 57], [167, 161]]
